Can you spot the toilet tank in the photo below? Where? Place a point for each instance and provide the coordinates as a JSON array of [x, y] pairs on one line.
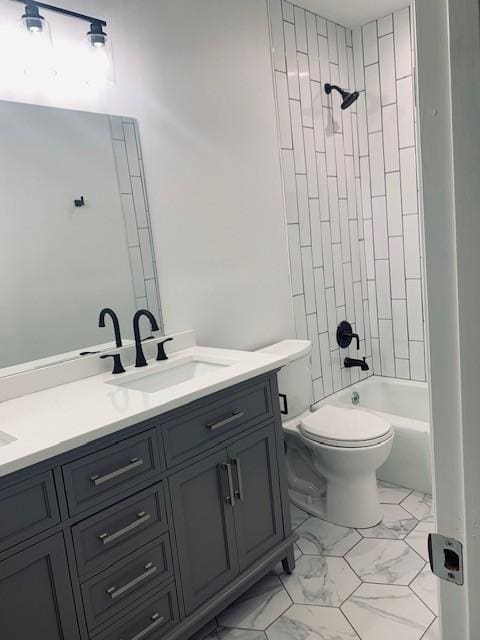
[[295, 378]]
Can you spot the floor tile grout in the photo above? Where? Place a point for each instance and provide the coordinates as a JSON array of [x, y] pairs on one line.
[[302, 592]]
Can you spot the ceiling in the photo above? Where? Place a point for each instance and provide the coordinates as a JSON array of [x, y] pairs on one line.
[[352, 13]]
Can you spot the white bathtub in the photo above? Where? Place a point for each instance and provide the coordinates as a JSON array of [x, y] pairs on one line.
[[405, 405]]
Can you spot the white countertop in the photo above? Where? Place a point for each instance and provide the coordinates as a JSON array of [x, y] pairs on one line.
[[56, 420]]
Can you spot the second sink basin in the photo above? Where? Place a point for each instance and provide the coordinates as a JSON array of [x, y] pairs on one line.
[[168, 374]]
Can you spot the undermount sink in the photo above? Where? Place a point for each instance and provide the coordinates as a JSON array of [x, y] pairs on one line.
[[161, 376], [6, 438]]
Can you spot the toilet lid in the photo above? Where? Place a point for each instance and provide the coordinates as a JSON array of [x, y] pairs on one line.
[[345, 427]]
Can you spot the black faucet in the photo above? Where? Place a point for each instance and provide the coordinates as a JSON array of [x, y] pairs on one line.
[[140, 359], [352, 362], [116, 325]]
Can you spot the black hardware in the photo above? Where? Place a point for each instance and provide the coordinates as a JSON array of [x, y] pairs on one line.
[[284, 411], [140, 358], [161, 355], [117, 362], [30, 4], [116, 325], [345, 335], [35, 22], [349, 97], [32, 18], [88, 353], [348, 363], [96, 35], [79, 202]]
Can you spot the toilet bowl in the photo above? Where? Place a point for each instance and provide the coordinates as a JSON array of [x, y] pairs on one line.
[[332, 452]]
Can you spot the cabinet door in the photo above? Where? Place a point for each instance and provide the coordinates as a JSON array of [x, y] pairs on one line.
[[204, 529], [258, 511], [36, 595]]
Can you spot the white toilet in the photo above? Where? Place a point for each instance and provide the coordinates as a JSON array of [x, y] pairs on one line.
[[333, 452]]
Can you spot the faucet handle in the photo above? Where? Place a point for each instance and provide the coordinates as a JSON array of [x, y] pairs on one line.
[[161, 355], [117, 362]]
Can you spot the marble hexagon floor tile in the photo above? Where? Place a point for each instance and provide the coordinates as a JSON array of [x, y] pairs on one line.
[[258, 607], [302, 622], [380, 612], [391, 493], [419, 505], [418, 538], [425, 586], [317, 537], [385, 561], [397, 523], [235, 634], [298, 516], [321, 580]]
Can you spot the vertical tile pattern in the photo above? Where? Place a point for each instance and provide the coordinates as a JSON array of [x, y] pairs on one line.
[[351, 190], [323, 191], [386, 130], [133, 196]]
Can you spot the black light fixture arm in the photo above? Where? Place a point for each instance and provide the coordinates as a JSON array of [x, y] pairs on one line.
[[65, 12]]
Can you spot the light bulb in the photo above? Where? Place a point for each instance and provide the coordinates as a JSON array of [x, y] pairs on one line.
[[36, 46], [99, 64]]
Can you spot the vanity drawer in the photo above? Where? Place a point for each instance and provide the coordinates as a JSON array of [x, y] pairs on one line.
[[152, 620], [190, 433], [111, 472], [109, 593], [27, 508], [115, 532]]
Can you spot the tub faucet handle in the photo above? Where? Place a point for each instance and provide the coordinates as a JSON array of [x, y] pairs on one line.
[[345, 335]]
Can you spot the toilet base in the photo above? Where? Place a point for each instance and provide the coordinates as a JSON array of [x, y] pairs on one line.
[[359, 512], [357, 505], [351, 500], [314, 506]]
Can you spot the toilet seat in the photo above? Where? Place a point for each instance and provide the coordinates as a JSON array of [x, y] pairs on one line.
[[345, 427]]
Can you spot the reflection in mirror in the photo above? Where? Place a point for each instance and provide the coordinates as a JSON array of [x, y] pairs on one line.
[[75, 234]]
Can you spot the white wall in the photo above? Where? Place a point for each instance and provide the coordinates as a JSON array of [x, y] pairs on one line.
[[198, 78]]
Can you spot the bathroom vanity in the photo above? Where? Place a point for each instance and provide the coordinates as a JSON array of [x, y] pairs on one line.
[[151, 531], [134, 506]]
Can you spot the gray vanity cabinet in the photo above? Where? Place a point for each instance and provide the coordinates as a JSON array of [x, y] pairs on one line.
[[36, 594], [227, 513], [204, 528], [257, 508], [149, 533]]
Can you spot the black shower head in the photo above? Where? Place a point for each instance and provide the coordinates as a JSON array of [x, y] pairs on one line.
[[348, 97]]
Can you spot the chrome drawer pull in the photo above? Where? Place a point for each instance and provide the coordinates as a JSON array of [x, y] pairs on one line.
[[150, 570], [142, 517], [236, 415], [157, 621], [134, 463], [230, 499], [239, 491]]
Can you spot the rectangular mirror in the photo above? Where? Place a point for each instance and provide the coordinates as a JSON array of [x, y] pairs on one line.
[[75, 234]]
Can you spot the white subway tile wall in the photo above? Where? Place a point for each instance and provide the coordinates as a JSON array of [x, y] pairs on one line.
[[351, 191], [323, 190], [394, 270]]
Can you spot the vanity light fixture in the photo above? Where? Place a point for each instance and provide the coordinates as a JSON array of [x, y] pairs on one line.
[[99, 47]]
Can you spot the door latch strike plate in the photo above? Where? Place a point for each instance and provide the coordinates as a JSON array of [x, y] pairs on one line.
[[446, 558]]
